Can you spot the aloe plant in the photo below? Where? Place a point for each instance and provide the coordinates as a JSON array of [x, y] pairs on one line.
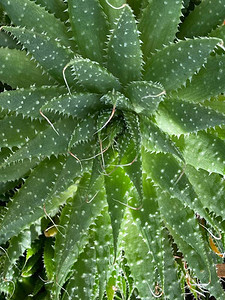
[[112, 157]]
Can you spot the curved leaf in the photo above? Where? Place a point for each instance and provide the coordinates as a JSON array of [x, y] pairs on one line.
[[26, 13], [176, 63], [145, 96], [90, 28], [28, 101], [156, 140], [202, 85], [18, 70], [76, 218], [208, 151], [205, 17], [116, 185], [124, 53], [182, 117], [51, 55], [94, 78], [77, 105], [16, 130], [159, 24], [45, 143]]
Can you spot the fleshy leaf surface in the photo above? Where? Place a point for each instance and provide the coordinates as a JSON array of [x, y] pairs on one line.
[[57, 7], [24, 73], [76, 218], [116, 185], [17, 169], [26, 13], [159, 24], [81, 282], [113, 10], [16, 130], [209, 187], [92, 76], [138, 256], [51, 55], [182, 117], [90, 28], [46, 143], [167, 173], [145, 96], [171, 284], [124, 52], [181, 222], [76, 105], [32, 197], [209, 151], [176, 63], [156, 140], [28, 101], [205, 17], [202, 85]]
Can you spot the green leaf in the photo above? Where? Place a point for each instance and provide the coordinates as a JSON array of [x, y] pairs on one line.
[[175, 63], [113, 10], [27, 205], [182, 223], [57, 7], [28, 101], [148, 221], [72, 169], [103, 234], [138, 257], [18, 70], [216, 103], [92, 76], [215, 287], [46, 143], [171, 286], [145, 96], [116, 185], [205, 17], [131, 161], [50, 54], [156, 140], [77, 105], [203, 85], [169, 175], [181, 117], [49, 258], [17, 169], [90, 28], [32, 259], [78, 213], [80, 285], [7, 41], [124, 53], [17, 247], [210, 189], [6, 187], [26, 13], [208, 151], [219, 32], [137, 5], [85, 130], [159, 24], [130, 151], [118, 100], [16, 130]]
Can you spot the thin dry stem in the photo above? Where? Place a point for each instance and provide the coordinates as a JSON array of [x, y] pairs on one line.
[[49, 122]]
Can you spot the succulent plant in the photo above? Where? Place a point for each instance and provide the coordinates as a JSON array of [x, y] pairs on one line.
[[112, 157]]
